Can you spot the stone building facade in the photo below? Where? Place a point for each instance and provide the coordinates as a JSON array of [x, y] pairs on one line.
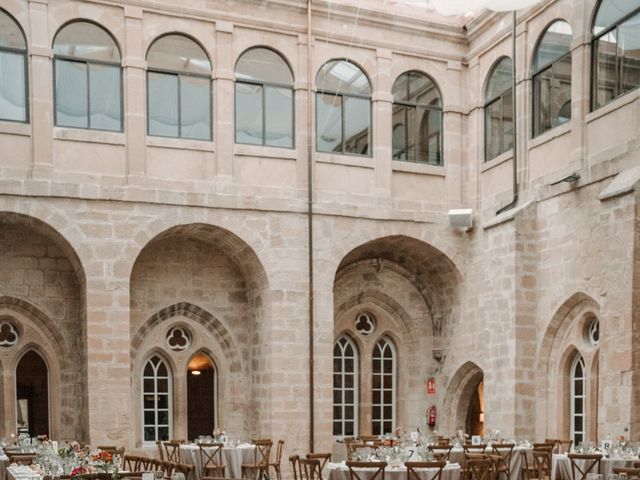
[[109, 240]]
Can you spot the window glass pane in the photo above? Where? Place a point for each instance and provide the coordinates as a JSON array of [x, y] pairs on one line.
[[416, 88], [195, 107], [629, 52], [578, 405], [163, 417], [71, 94], [555, 43], [163, 433], [493, 122], [432, 137], [348, 412], [163, 401], [552, 96], [12, 86], [337, 396], [328, 123], [248, 113], [337, 412], [163, 385], [149, 434], [610, 11], [606, 76], [500, 79], [507, 123], [279, 117], [337, 380], [148, 383], [357, 121], [104, 99], [413, 134], [578, 423], [399, 132], [337, 428], [348, 381], [348, 396], [178, 53], [348, 365], [86, 40], [149, 401], [349, 428], [578, 387], [343, 77], [10, 34], [263, 65], [163, 104], [149, 417]]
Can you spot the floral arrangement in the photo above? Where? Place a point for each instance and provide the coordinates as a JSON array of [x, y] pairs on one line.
[[72, 450], [103, 462], [80, 470]]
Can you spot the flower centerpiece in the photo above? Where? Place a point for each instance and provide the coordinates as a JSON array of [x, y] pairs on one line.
[[104, 462]]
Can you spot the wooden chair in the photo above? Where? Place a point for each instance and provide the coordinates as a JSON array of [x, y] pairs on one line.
[[470, 448], [107, 448], [261, 456], [130, 475], [211, 459], [160, 452], [501, 457], [442, 441], [22, 458], [310, 469], [413, 466], [172, 451], [369, 438], [131, 463], [294, 460], [353, 447], [480, 469], [592, 460], [167, 469], [527, 471], [440, 452], [378, 472], [465, 472], [323, 458], [630, 472], [276, 463], [542, 464], [184, 468]]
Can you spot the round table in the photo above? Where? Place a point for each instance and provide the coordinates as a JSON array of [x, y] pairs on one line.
[[340, 471], [561, 466], [232, 456]]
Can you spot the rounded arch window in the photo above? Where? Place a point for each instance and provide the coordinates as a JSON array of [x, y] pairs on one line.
[[417, 105], [343, 109], [13, 65], [178, 339], [552, 78], [498, 110], [9, 335], [178, 89], [88, 79], [615, 45], [264, 106], [365, 323]]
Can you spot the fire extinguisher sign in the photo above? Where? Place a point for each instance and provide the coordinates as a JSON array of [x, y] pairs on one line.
[[431, 386]]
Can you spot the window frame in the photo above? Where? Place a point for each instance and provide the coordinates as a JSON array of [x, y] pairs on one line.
[[356, 388], [155, 393], [88, 62], [577, 360], [490, 102], [415, 106], [534, 76], [594, 58], [379, 407], [25, 59], [179, 75]]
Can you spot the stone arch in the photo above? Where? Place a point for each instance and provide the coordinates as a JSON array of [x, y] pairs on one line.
[[563, 337], [459, 392]]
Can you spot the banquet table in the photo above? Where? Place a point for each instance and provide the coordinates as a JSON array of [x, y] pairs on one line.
[[4, 463], [515, 465], [22, 472], [561, 466], [232, 456], [340, 471]]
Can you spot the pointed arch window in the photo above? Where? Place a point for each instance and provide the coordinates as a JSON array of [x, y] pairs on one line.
[[156, 400], [417, 119], [13, 65], [552, 78], [345, 388], [178, 89], [343, 109], [264, 99], [578, 400], [384, 387], [88, 78], [615, 50], [498, 110]]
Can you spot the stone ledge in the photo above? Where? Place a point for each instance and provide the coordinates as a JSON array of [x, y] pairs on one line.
[[506, 216], [623, 183]]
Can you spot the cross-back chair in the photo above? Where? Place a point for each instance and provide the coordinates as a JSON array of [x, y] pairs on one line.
[[323, 458], [480, 469], [294, 460], [276, 463], [440, 452], [583, 464], [377, 467], [160, 451], [261, 456], [310, 469], [542, 464], [413, 466], [353, 447], [131, 463], [630, 472], [172, 451], [211, 459], [501, 456]]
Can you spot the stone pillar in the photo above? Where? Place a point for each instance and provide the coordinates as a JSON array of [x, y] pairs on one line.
[[303, 140], [381, 114], [224, 94], [134, 92], [452, 126], [41, 90]]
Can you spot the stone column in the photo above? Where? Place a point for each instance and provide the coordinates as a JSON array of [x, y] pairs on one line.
[[381, 115], [452, 126], [302, 93], [41, 90], [224, 133]]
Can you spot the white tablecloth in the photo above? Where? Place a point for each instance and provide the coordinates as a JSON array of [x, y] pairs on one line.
[[232, 457], [561, 466], [22, 472], [4, 463], [515, 465], [340, 471]]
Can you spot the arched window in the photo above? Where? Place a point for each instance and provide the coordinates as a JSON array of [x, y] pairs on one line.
[[13, 71], [498, 110], [201, 396], [88, 78], [264, 99], [616, 51], [383, 375], [578, 400], [345, 388], [32, 390], [552, 78], [156, 400], [343, 109], [178, 89], [417, 107]]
